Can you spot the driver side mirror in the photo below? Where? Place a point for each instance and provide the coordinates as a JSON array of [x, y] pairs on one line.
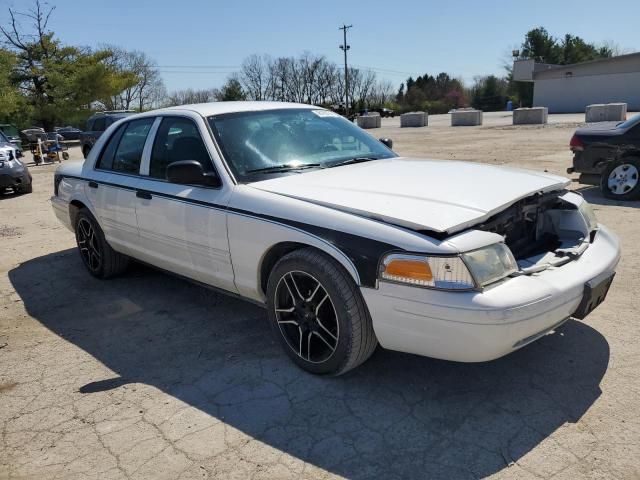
[[387, 141], [190, 172]]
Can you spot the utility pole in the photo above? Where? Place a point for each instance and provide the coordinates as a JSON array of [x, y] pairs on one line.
[[344, 47]]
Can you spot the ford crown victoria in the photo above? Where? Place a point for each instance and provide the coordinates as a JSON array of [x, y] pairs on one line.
[[345, 243]]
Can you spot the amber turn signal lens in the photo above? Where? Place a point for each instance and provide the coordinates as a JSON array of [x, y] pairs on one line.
[[413, 269]]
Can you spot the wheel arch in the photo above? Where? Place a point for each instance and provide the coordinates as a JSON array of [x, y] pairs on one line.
[[74, 207], [279, 250], [630, 153]]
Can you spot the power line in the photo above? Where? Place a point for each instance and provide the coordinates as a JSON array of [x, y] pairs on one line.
[[198, 66], [196, 71]]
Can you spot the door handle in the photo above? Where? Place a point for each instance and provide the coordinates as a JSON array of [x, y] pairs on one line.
[[93, 184], [143, 194]]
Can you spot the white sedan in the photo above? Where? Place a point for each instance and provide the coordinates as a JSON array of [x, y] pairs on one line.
[[345, 243]]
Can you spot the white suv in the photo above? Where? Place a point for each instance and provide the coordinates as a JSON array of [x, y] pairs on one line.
[[346, 244]]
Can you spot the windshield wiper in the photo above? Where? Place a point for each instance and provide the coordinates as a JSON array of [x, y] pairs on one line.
[[350, 161], [283, 168]]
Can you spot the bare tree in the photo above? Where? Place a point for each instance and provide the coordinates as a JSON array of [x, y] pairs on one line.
[[255, 77], [145, 84], [188, 96], [381, 93], [308, 78]]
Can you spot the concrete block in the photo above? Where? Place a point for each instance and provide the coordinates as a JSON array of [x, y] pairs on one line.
[[466, 118], [529, 116], [610, 112], [414, 119], [369, 121]]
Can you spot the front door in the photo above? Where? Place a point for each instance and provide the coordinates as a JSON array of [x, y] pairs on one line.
[[183, 227]]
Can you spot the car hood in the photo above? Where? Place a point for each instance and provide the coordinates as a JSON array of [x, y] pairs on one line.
[[420, 194]]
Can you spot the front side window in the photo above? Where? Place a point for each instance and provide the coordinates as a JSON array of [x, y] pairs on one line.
[[280, 142], [177, 139], [123, 151]]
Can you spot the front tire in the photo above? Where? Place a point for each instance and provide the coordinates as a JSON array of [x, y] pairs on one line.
[[101, 260], [620, 180], [318, 313]]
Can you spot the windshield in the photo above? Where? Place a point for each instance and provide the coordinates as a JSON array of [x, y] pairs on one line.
[[9, 130], [3, 137], [260, 145], [630, 122]]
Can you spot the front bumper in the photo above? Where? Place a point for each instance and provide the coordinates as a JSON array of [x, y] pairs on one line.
[[481, 326], [8, 180]]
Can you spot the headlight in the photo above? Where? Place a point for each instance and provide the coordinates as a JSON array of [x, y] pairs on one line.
[[447, 273], [586, 210], [490, 264], [465, 272]]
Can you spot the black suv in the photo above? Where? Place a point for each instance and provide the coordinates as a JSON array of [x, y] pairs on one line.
[[608, 155], [98, 123]]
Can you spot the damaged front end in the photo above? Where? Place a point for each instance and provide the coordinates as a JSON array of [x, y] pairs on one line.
[[545, 230]]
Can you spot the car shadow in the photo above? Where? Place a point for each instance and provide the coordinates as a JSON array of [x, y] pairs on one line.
[[593, 195], [397, 415]]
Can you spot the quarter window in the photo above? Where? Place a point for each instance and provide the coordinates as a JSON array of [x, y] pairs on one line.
[[177, 139]]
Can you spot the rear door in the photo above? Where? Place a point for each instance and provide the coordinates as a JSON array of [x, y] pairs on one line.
[[183, 227], [112, 191]]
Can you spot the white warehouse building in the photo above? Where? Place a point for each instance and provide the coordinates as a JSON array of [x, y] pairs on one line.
[[570, 88]]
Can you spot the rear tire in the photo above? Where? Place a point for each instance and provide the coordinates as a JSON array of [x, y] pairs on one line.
[[620, 180], [318, 313], [101, 260]]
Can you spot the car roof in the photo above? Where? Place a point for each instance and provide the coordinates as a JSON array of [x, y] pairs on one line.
[[112, 114], [217, 108]]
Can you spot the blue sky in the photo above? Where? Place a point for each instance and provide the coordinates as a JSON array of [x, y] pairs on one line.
[[463, 38]]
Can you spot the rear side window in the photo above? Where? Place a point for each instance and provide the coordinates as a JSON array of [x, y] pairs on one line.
[[123, 152], [177, 139], [99, 125]]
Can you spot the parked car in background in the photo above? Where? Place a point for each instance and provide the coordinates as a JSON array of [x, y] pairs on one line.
[[344, 243], [607, 154], [384, 112], [30, 135], [69, 133], [96, 125], [13, 173], [54, 137], [12, 134]]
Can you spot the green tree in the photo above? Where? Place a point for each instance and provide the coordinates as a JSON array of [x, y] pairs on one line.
[[231, 90], [540, 46], [57, 80], [575, 50], [489, 93], [13, 107]]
